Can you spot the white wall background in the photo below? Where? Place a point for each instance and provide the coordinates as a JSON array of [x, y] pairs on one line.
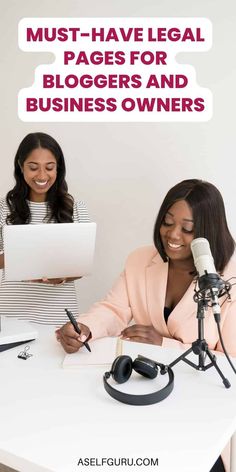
[[124, 170]]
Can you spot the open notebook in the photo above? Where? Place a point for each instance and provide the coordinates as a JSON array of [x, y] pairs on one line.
[[105, 350]]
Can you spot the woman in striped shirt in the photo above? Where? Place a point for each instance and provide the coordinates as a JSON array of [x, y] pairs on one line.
[[40, 195]]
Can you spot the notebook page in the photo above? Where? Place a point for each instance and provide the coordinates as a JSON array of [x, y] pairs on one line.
[[103, 352]]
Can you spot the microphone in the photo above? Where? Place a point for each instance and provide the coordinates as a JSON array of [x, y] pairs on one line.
[[211, 286], [204, 263]]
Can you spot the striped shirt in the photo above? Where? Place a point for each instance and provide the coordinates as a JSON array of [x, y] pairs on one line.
[[38, 302]]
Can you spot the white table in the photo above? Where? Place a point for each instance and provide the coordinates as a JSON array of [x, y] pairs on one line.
[[51, 417]]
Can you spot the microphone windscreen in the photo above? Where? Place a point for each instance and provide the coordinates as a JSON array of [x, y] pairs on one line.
[[202, 256]]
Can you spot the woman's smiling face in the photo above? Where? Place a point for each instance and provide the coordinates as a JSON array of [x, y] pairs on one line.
[[40, 173], [177, 231]]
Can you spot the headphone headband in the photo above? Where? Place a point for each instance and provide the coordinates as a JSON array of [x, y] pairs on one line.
[[146, 399]]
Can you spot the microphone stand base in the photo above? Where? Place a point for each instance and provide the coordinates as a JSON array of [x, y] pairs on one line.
[[200, 348]]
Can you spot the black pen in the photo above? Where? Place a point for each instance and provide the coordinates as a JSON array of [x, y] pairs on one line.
[[76, 327]]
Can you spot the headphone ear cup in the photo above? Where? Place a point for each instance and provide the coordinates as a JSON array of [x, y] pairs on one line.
[[121, 369], [146, 368]]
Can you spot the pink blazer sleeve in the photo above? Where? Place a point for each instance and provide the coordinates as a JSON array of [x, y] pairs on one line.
[[110, 316]]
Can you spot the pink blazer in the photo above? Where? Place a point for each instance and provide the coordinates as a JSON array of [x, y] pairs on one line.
[[139, 295]]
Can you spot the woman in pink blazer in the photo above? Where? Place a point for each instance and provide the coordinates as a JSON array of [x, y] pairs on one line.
[[155, 290]]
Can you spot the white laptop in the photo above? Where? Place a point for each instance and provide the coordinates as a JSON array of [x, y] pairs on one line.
[[14, 332], [48, 250]]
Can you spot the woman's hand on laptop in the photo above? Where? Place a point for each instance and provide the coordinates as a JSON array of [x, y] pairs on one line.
[[44, 280], [1, 261], [55, 281], [69, 339]]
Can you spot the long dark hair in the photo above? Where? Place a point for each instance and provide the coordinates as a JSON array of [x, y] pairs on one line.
[[209, 218], [60, 202]]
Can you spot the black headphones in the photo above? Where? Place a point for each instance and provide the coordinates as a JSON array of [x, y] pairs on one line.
[[121, 370]]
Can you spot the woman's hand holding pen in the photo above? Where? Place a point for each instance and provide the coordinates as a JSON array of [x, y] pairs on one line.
[[69, 339]]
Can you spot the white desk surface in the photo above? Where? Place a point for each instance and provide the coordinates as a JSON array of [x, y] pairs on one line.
[[51, 417]]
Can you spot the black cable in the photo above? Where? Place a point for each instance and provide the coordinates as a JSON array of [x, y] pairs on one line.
[[223, 346]]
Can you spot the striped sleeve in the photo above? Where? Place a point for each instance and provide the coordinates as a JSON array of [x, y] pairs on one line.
[[81, 212]]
